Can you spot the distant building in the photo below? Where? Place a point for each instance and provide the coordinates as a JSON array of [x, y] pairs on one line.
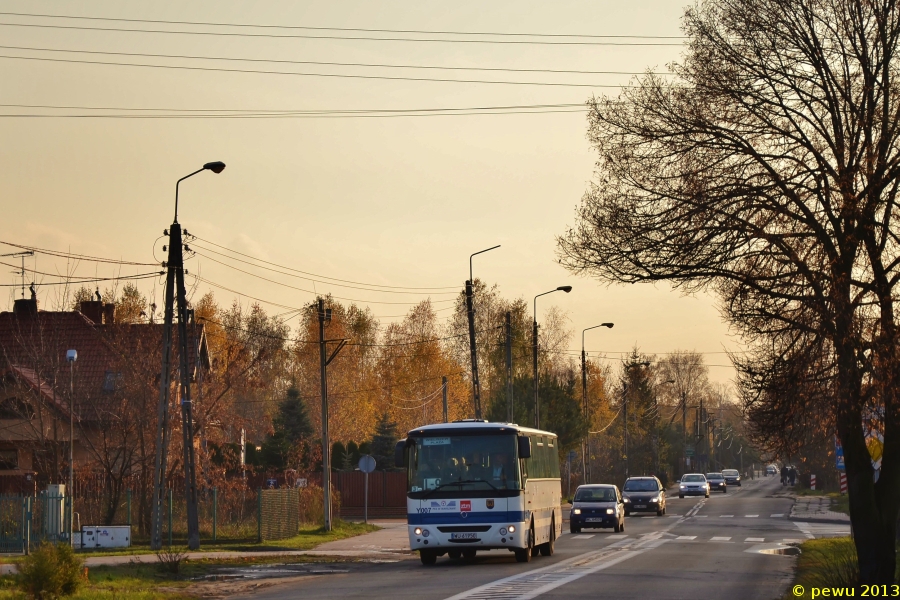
[[116, 391]]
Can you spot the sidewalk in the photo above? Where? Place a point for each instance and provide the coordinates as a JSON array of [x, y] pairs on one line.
[[389, 543], [815, 509]]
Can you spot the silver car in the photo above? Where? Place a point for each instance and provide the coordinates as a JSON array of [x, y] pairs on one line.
[[693, 484]]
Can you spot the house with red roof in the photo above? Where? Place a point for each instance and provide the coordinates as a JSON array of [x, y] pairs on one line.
[[109, 394]]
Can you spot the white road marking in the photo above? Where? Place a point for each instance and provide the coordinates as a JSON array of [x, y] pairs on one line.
[[686, 537], [532, 584], [585, 537], [720, 539], [616, 537], [751, 516], [776, 516], [755, 540], [701, 516], [726, 516]]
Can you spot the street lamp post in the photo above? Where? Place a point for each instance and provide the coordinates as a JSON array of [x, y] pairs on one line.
[[470, 315], [534, 348], [175, 277], [585, 444], [628, 367], [71, 357]]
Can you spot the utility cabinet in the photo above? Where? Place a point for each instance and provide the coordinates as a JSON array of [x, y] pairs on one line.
[[112, 536]]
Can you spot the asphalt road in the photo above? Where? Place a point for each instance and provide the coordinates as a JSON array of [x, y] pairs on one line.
[[703, 548]]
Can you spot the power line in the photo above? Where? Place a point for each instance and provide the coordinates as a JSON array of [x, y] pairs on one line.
[[367, 289], [286, 116], [541, 42], [292, 112], [287, 285], [78, 281], [320, 276], [309, 28], [84, 257], [326, 63], [306, 74]]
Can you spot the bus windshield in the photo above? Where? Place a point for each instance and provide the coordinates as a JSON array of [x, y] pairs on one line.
[[462, 463]]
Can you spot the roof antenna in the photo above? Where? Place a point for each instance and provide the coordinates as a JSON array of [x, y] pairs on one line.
[[99, 297], [33, 293]]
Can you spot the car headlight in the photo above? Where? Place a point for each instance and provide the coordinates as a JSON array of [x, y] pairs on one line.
[[654, 499], [610, 511], [626, 500], [576, 511], [512, 528], [682, 486]]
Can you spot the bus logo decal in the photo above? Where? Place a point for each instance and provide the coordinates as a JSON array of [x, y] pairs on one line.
[[465, 505]]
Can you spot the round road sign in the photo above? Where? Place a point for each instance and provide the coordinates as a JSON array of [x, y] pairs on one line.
[[366, 463]]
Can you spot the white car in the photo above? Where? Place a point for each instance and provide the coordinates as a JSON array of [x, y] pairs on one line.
[[693, 484]]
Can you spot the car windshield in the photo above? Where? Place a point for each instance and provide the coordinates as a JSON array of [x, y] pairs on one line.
[[693, 478], [464, 463], [595, 495], [730, 473], [640, 485], [714, 476]]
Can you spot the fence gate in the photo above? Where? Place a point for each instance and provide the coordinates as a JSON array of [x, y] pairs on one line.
[[40, 518], [12, 524]]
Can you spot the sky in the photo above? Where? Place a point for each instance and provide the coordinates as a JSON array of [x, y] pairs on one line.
[[385, 200]]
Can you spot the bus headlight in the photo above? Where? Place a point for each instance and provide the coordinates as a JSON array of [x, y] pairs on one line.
[[425, 533], [503, 531], [417, 531], [512, 528]]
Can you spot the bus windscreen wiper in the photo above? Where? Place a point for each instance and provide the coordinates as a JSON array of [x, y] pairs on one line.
[[461, 482]]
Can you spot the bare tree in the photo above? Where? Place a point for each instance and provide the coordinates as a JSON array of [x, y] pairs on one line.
[[767, 170]]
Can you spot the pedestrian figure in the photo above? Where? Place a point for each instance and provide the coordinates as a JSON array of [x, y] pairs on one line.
[[784, 474], [792, 473]]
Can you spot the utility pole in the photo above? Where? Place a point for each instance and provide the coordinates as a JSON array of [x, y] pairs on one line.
[[509, 382], [444, 393], [324, 361], [175, 282], [586, 442], [534, 357], [470, 314]]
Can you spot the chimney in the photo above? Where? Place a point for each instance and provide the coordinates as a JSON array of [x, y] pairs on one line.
[[109, 314], [25, 307], [93, 310]]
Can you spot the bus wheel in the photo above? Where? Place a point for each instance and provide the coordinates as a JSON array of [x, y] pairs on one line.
[[428, 557], [469, 553], [523, 555], [535, 549], [548, 548], [455, 554]]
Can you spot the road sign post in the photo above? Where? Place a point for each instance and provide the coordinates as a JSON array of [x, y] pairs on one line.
[[366, 465]]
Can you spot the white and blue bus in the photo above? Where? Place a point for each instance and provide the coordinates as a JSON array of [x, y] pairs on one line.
[[474, 485]]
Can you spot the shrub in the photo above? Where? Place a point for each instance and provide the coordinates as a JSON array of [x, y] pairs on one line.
[[51, 571], [312, 501], [170, 560]]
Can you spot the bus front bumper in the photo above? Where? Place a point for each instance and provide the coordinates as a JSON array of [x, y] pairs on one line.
[[444, 538]]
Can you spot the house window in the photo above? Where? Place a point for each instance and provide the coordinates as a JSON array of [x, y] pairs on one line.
[[9, 459], [112, 381]]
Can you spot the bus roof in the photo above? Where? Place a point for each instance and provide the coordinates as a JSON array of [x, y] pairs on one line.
[[472, 426]]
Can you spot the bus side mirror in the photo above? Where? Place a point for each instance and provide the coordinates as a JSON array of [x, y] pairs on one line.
[[400, 454], [524, 447]]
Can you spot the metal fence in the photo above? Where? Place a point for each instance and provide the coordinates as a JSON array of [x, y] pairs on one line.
[[28, 520]]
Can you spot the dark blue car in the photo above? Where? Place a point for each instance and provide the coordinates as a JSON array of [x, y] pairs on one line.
[[596, 506]]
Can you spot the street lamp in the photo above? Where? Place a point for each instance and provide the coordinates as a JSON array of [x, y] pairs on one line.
[[534, 347], [216, 167], [586, 442], [470, 315], [628, 366], [71, 357], [175, 291]]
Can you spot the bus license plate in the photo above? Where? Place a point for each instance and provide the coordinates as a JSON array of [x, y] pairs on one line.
[[463, 536]]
